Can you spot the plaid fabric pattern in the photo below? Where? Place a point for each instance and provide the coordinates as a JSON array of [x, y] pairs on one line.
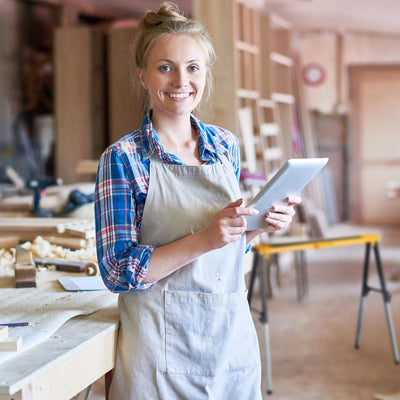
[[120, 195]]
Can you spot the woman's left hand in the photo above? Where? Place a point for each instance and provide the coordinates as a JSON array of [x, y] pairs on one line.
[[281, 215]]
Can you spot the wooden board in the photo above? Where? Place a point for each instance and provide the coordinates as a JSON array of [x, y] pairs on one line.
[[80, 99], [224, 103], [125, 111], [82, 349], [12, 343]]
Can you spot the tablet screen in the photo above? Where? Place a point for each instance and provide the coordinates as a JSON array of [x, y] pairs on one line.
[[295, 174]]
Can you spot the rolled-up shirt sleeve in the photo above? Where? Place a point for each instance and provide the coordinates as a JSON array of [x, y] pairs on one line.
[[123, 262]]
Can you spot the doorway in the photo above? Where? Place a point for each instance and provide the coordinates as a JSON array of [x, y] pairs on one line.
[[374, 144]]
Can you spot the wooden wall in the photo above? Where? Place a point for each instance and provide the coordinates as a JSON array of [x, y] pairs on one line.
[[335, 52]]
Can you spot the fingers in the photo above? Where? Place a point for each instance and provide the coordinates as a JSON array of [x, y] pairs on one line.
[[279, 220], [234, 209], [283, 209], [232, 222], [235, 203], [294, 200], [281, 215]]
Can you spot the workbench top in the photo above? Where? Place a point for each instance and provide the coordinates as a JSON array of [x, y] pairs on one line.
[[73, 331]]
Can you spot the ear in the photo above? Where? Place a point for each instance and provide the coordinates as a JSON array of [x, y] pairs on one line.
[[141, 77]]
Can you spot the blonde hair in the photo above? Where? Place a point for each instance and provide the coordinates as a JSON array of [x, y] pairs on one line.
[[169, 20]]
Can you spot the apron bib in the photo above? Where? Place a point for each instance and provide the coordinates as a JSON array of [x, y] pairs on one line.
[[190, 335]]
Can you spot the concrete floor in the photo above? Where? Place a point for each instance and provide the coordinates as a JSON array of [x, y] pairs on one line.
[[312, 340]]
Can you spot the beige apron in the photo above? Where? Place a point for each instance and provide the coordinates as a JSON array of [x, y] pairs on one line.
[[190, 335]]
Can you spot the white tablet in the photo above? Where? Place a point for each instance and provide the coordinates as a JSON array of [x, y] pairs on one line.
[[289, 180]]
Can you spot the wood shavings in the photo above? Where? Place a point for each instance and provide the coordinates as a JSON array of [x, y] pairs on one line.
[[41, 248], [82, 228], [6, 263]]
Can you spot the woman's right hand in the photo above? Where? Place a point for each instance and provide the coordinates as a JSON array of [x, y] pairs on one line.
[[228, 225]]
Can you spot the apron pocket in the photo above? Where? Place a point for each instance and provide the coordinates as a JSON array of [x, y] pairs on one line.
[[208, 334]]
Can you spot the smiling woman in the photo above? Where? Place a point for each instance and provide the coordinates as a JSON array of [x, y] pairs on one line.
[[171, 232], [174, 76]]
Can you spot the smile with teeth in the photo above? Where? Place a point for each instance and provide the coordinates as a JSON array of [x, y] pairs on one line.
[[179, 95]]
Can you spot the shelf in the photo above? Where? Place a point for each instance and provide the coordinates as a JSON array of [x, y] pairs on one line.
[[281, 59], [282, 98], [269, 129], [249, 48], [265, 103], [247, 94], [273, 154]]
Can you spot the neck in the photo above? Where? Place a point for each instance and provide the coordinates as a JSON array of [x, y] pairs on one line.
[[178, 137], [175, 130]]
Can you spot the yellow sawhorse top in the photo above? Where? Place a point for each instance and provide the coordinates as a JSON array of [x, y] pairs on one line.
[[288, 246], [263, 251]]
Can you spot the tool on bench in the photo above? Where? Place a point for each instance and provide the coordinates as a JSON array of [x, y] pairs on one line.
[[87, 267], [38, 186], [25, 268]]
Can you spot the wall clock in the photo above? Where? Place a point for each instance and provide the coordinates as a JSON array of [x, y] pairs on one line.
[[314, 74]]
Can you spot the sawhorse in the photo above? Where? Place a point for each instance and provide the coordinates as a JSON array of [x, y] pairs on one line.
[[263, 252]]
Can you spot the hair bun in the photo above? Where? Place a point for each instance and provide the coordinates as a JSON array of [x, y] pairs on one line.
[[168, 11]]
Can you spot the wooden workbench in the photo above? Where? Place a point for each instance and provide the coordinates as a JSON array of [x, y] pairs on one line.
[[70, 358], [78, 354]]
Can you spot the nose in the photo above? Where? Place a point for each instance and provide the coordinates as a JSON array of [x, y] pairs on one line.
[[180, 78]]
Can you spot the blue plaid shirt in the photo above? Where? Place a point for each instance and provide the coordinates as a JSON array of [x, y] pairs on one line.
[[120, 195]]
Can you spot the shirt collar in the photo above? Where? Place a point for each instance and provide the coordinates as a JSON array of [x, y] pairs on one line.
[[207, 144], [150, 142], [148, 138]]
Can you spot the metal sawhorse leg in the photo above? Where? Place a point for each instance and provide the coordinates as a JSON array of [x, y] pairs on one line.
[[259, 259], [262, 253], [385, 295]]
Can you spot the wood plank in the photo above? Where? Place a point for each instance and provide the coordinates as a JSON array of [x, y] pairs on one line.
[[281, 59], [248, 94], [53, 230], [87, 167], [247, 135], [72, 243], [273, 153], [82, 349], [223, 100], [8, 242], [12, 343], [269, 129], [283, 98], [247, 47], [265, 103], [38, 224], [3, 332], [79, 88], [124, 101]]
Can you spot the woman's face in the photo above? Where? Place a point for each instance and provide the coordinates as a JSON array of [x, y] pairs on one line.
[[175, 74]]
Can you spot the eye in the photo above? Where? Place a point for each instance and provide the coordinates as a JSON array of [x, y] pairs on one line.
[[164, 68], [194, 68]]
